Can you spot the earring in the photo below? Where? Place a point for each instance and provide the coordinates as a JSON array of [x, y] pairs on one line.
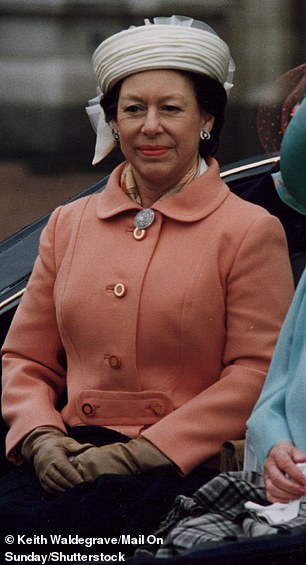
[[204, 135], [116, 135]]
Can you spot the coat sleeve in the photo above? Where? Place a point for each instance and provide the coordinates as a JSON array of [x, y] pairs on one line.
[[258, 292], [33, 374], [279, 412]]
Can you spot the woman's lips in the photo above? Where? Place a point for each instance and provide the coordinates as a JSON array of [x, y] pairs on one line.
[[153, 150]]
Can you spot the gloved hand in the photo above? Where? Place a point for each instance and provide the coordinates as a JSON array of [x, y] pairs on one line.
[[50, 450], [134, 457]]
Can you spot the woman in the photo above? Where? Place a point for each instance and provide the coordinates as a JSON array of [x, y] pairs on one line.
[[283, 444], [152, 301]]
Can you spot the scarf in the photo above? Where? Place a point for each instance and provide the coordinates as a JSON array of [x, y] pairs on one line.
[[129, 186]]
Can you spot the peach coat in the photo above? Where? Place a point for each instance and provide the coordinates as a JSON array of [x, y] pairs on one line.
[[166, 333]]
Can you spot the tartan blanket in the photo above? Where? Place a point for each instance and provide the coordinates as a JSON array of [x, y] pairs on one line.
[[215, 512]]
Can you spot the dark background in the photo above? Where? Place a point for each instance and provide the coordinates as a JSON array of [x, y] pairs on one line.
[[46, 141]]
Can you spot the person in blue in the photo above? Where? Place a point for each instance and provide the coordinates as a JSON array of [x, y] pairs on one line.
[[279, 103], [276, 428]]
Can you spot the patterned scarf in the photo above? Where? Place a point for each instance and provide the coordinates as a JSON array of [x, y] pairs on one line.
[[129, 186]]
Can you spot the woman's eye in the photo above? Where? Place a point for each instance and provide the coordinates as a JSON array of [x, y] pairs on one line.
[[134, 108], [139, 109], [171, 109]]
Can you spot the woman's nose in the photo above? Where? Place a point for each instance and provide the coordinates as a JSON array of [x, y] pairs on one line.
[[152, 123]]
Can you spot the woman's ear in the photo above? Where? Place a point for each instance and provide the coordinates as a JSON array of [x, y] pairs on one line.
[[208, 122]]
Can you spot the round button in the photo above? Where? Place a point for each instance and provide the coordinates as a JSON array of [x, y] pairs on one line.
[[157, 408], [88, 409], [119, 290], [139, 234], [114, 362]]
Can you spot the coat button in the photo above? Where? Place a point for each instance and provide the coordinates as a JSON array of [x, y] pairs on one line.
[[157, 408], [139, 234], [88, 409], [119, 290], [113, 361]]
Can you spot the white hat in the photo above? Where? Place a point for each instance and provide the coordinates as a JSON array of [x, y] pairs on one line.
[[176, 43]]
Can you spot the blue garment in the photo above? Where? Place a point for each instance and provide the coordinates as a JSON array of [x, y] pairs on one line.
[[280, 412], [292, 158]]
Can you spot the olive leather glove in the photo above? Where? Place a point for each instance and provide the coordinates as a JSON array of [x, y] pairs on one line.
[[134, 457], [50, 450]]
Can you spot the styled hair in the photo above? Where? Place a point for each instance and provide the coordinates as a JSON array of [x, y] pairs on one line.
[[211, 98]]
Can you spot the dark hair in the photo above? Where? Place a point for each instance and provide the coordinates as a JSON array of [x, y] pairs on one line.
[[211, 98], [110, 100]]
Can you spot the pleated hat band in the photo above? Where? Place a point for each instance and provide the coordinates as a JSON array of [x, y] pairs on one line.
[[162, 46]]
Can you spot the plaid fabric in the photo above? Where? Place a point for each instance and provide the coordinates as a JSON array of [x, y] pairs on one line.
[[215, 513]]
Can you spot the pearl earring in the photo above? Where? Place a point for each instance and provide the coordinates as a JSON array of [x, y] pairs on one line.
[[204, 135], [116, 135]]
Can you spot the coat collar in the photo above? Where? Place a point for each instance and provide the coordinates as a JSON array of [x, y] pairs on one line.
[[204, 195]]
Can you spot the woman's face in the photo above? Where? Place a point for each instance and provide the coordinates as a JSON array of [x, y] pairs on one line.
[[159, 122]]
